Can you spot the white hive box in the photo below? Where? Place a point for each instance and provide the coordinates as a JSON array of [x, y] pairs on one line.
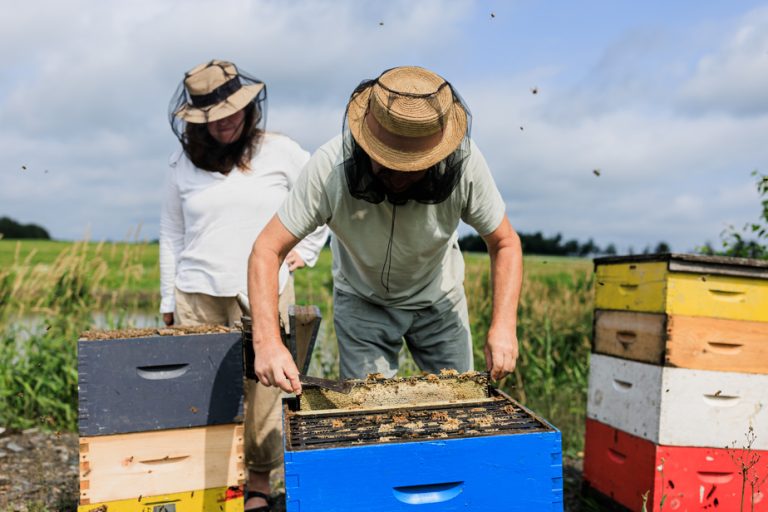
[[678, 406]]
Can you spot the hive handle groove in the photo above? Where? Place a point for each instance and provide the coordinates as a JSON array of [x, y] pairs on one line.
[[162, 371], [428, 493], [164, 460], [727, 295], [725, 348], [616, 456], [622, 385], [714, 477], [626, 338]]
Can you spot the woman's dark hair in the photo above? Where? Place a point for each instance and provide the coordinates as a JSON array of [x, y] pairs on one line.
[[208, 154]]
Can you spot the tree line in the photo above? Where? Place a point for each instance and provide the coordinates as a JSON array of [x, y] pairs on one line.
[[537, 243], [10, 229], [751, 241]]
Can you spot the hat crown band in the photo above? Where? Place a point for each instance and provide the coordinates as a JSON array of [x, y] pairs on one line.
[[204, 80], [219, 94], [407, 119], [410, 115]]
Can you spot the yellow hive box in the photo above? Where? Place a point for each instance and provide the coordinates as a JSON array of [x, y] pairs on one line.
[[157, 463], [684, 284], [694, 342], [227, 499]]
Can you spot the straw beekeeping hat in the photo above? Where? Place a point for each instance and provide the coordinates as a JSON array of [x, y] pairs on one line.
[[408, 119], [214, 91]]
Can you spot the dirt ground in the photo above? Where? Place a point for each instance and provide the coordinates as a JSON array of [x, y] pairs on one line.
[[38, 472]]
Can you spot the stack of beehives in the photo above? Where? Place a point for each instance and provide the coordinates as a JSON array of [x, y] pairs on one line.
[[678, 388], [161, 420]]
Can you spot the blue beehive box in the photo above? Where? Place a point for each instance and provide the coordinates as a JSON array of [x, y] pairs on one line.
[[460, 454]]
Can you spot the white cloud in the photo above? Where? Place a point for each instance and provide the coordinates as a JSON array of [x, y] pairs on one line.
[[89, 84], [85, 96], [735, 78]]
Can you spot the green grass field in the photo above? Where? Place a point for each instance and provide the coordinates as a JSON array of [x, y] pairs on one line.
[[128, 267], [66, 282]]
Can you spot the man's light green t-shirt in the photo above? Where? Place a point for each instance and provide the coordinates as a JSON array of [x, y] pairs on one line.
[[426, 264]]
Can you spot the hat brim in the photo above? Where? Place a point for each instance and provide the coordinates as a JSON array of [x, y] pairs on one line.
[[454, 130], [232, 104]]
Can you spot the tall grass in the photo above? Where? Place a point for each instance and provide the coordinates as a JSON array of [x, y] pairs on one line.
[[38, 367], [554, 332], [128, 272]]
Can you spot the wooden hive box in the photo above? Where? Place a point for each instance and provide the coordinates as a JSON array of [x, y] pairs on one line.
[[220, 499], [127, 466], [683, 341], [683, 284], [622, 467], [678, 406], [153, 379], [160, 419], [439, 444]]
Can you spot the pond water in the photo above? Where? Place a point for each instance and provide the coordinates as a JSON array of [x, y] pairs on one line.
[[324, 356], [29, 325]]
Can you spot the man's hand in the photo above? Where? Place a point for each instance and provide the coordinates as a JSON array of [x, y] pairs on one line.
[[506, 255], [294, 261], [273, 363], [274, 366], [168, 319], [501, 350]]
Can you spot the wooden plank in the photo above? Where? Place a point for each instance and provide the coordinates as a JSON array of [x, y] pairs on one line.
[[154, 463], [735, 298], [159, 383], [226, 499], [650, 287], [717, 344], [722, 269], [304, 325], [626, 467], [619, 465], [631, 287], [696, 263], [396, 407], [678, 406], [630, 335], [625, 395]]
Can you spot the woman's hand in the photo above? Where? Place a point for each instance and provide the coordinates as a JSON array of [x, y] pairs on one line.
[[294, 261], [168, 319]]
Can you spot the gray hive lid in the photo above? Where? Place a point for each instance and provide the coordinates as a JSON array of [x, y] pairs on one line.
[[696, 263]]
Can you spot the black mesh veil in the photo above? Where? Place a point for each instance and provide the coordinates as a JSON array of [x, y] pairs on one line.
[[440, 179], [204, 151]]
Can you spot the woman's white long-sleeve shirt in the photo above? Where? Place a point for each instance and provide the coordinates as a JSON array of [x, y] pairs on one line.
[[209, 221]]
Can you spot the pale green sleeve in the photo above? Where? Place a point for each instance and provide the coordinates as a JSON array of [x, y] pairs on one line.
[[307, 206], [484, 208]]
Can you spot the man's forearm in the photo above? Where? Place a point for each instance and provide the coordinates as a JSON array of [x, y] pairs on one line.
[[506, 277], [263, 268]]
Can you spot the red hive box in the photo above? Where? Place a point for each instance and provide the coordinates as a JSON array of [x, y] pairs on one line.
[[623, 467]]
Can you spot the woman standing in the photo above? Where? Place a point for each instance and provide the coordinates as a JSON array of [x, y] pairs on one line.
[[224, 184]]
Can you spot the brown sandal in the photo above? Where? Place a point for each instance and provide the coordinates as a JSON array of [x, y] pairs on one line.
[[257, 494]]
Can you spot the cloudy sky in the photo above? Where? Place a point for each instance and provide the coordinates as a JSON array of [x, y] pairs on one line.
[[667, 100]]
